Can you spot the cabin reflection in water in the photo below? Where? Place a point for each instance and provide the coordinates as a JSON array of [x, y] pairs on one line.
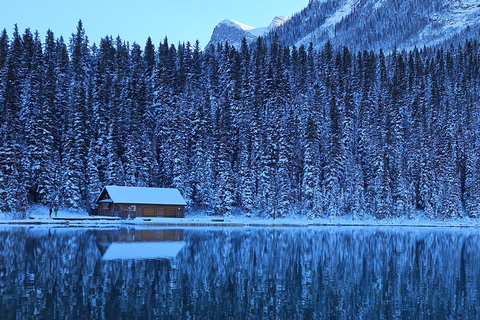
[[125, 244]]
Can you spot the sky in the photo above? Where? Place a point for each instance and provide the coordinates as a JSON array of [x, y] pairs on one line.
[[135, 21]]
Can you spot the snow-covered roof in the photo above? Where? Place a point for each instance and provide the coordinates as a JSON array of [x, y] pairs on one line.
[[143, 250], [142, 195]]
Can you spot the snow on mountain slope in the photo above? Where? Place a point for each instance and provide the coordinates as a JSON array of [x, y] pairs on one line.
[[278, 22], [236, 24], [365, 24], [341, 13], [328, 26], [454, 18], [233, 32], [380, 24]]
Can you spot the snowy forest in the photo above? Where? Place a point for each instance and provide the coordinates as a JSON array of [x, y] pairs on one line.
[[265, 130]]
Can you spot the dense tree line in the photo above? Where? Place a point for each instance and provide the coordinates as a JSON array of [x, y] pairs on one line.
[[270, 130]]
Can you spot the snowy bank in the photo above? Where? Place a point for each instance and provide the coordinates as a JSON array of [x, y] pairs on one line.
[[68, 217]]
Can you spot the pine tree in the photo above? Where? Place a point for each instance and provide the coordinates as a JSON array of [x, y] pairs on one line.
[[104, 110], [396, 138], [310, 169], [76, 140], [201, 182], [179, 145], [93, 183], [46, 184], [13, 196], [37, 121], [334, 171], [224, 192], [164, 106], [381, 166], [472, 196], [3, 48]]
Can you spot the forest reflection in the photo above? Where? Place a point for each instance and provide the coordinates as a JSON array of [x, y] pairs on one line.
[[240, 273]]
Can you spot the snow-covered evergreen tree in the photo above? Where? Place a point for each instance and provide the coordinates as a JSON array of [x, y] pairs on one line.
[[13, 193], [75, 138]]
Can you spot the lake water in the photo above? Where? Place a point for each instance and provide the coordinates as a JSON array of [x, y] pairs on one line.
[[240, 273]]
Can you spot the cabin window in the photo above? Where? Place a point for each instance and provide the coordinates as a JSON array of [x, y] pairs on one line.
[[106, 206], [133, 208]]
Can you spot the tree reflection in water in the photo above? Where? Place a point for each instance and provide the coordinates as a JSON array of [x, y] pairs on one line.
[[242, 273]]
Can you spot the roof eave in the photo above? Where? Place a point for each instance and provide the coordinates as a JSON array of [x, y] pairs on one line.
[[151, 204]]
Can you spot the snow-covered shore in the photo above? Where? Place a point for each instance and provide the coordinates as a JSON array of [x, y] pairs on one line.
[[67, 217]]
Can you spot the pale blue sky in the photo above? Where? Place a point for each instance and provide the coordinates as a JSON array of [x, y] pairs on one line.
[[180, 20]]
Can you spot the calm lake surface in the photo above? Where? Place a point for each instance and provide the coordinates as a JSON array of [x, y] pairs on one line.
[[240, 273]]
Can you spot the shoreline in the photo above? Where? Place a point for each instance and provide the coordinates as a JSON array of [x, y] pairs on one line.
[[96, 221], [39, 216]]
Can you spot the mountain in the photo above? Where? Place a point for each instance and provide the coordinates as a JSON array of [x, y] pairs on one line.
[[381, 24], [233, 32]]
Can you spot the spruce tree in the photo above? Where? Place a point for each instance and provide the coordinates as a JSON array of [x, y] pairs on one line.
[[13, 196], [37, 122], [75, 138]]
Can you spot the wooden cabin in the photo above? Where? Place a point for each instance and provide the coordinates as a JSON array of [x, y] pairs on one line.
[[131, 202]]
